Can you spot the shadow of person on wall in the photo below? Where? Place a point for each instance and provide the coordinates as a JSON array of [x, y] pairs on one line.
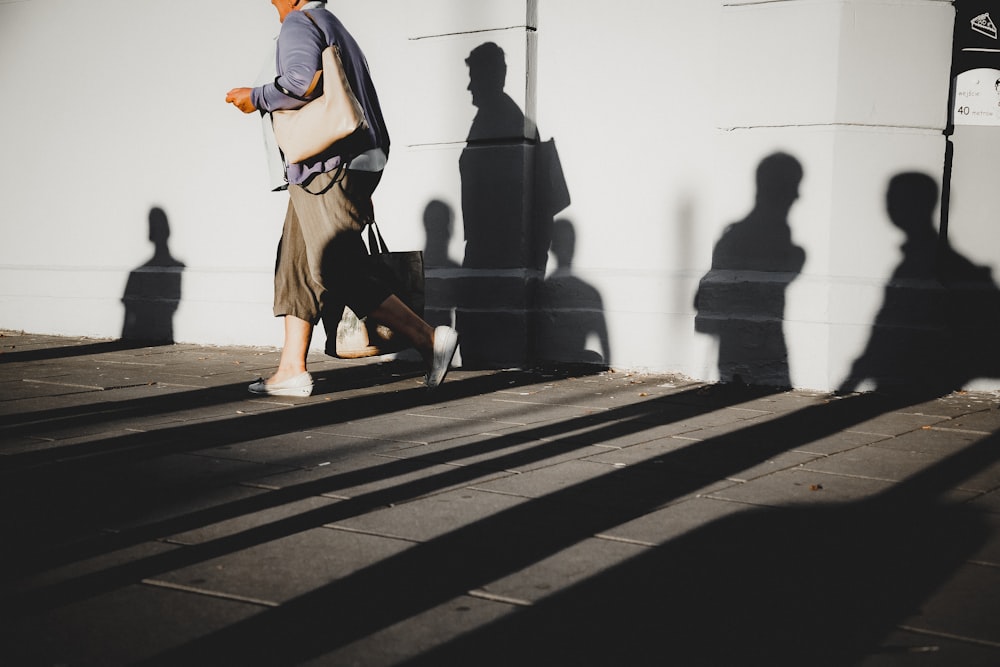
[[570, 311], [940, 316], [439, 226], [741, 300], [153, 290], [512, 188], [440, 268]]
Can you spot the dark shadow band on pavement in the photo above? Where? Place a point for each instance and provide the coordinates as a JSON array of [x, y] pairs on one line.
[[80, 350], [100, 411]]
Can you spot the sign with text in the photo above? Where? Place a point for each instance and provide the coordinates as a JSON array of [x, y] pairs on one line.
[[977, 97], [976, 63]]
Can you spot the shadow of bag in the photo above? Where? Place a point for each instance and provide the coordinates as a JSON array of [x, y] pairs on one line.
[[403, 273], [551, 191]]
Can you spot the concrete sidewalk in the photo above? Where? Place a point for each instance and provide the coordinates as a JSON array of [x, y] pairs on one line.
[[154, 512]]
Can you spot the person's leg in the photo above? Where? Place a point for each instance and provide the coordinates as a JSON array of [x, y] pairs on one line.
[[401, 319], [298, 335], [436, 345], [296, 299], [331, 225]]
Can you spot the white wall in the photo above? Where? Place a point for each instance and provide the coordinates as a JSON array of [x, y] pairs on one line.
[[857, 91], [661, 112], [119, 108]]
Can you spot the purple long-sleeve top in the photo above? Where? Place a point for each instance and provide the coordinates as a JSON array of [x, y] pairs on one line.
[[299, 57]]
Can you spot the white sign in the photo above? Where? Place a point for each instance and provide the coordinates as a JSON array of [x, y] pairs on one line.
[[977, 97]]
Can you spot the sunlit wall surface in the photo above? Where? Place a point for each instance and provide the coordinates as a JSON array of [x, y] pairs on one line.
[[718, 189]]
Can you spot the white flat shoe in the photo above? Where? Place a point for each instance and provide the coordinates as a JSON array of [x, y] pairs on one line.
[[445, 344], [300, 385]]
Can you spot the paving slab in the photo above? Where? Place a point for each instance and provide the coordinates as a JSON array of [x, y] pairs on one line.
[[897, 423], [965, 606], [988, 502], [572, 565], [895, 461], [505, 452], [905, 648], [417, 427], [983, 421], [303, 449], [279, 570], [803, 487], [934, 440], [378, 480], [408, 640], [120, 627], [429, 518], [662, 525]]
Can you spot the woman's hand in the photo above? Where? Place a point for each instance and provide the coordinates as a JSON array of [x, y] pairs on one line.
[[240, 98]]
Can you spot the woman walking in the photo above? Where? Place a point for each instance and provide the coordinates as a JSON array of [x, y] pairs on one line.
[[321, 250]]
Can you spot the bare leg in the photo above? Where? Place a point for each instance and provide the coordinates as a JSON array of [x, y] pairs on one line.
[[298, 335], [397, 316]]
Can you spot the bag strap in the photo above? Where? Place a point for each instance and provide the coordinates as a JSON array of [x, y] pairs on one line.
[[376, 244]]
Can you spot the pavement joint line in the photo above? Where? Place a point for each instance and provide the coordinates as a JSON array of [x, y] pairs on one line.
[[929, 415], [62, 384], [424, 458], [821, 455], [358, 436], [461, 419], [156, 583], [946, 429], [334, 496], [500, 493], [258, 485], [758, 411], [949, 635], [132, 363], [371, 533], [849, 475], [983, 563], [884, 436], [624, 540], [543, 404], [493, 597], [267, 402]]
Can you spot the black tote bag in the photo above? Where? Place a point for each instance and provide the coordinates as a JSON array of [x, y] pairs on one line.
[[403, 273]]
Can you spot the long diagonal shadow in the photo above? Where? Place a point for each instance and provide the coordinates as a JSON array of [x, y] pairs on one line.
[[558, 438], [470, 557], [37, 482], [814, 585], [90, 413], [232, 430], [66, 351]]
